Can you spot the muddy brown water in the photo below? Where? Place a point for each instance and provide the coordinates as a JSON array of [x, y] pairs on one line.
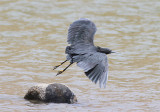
[[33, 37]]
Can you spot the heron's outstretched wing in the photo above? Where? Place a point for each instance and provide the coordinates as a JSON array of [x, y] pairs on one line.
[[95, 67], [81, 31]]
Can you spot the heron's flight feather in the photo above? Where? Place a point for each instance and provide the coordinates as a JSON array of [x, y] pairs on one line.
[[81, 31], [95, 67]]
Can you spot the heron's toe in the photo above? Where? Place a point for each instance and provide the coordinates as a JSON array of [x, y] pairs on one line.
[[59, 72]]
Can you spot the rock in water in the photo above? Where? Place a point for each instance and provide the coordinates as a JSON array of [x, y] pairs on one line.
[[56, 93]]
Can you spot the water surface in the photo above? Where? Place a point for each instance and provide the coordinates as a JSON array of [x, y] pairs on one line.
[[33, 38]]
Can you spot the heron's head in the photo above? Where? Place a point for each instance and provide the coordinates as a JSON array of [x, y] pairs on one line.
[[104, 50]]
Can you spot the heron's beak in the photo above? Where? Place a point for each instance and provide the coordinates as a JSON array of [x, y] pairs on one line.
[[113, 52]]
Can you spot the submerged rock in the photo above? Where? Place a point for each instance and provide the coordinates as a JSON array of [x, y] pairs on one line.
[[56, 93]]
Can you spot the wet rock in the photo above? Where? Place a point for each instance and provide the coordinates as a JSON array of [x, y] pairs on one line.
[[56, 93]]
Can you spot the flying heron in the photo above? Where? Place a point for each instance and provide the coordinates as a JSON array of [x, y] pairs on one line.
[[92, 59]]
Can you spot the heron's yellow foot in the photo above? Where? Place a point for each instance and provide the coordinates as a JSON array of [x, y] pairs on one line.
[[56, 67], [59, 72]]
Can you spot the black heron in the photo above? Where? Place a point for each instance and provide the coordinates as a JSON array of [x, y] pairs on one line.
[[92, 59]]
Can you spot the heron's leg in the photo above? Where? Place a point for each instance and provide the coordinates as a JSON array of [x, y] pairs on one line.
[[59, 72], [59, 64]]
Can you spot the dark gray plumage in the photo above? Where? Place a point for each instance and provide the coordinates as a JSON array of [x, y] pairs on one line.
[[92, 59]]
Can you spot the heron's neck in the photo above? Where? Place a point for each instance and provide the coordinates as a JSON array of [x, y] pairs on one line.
[[104, 50]]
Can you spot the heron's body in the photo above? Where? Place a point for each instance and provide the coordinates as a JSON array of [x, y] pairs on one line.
[[92, 59]]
